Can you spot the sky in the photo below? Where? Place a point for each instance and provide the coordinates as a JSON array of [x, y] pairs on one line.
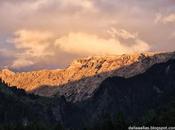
[[49, 34]]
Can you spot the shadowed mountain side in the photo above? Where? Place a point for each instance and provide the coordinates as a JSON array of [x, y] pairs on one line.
[[78, 90], [84, 88], [134, 97], [86, 73], [18, 107]]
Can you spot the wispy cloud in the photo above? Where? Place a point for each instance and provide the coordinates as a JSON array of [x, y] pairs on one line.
[[170, 18]]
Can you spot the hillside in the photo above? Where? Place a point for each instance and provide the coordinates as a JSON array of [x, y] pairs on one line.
[[18, 107], [117, 103], [145, 99], [137, 96]]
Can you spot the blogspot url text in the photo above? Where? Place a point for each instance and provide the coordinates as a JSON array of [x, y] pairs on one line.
[[150, 128]]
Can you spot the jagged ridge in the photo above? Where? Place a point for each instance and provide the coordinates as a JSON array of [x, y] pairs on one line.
[[84, 75], [134, 96]]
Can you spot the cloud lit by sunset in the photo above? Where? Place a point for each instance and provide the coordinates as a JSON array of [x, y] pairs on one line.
[[35, 34]]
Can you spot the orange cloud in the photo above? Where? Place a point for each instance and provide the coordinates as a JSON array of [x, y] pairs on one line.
[[35, 45], [19, 63], [34, 42], [32, 45], [93, 45]]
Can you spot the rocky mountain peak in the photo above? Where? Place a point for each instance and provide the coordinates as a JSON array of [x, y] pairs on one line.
[[6, 73], [83, 75], [94, 60]]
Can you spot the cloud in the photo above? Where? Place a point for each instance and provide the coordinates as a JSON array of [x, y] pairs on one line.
[[47, 31], [86, 4], [158, 18], [93, 45], [170, 18], [19, 63], [31, 45], [35, 43], [122, 34], [35, 47]]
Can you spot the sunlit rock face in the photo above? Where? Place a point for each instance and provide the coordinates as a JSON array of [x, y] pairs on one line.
[[79, 80]]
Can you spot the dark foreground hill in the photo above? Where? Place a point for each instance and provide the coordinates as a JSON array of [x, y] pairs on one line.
[[145, 99], [19, 109]]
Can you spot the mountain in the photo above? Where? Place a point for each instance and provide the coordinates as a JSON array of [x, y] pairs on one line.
[[118, 102], [135, 96], [79, 80], [144, 99]]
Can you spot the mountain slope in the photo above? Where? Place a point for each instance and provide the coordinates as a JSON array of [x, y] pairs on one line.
[[135, 96], [85, 88], [18, 107], [83, 75]]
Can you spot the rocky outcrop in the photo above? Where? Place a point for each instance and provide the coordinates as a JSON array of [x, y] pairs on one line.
[[83, 76]]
